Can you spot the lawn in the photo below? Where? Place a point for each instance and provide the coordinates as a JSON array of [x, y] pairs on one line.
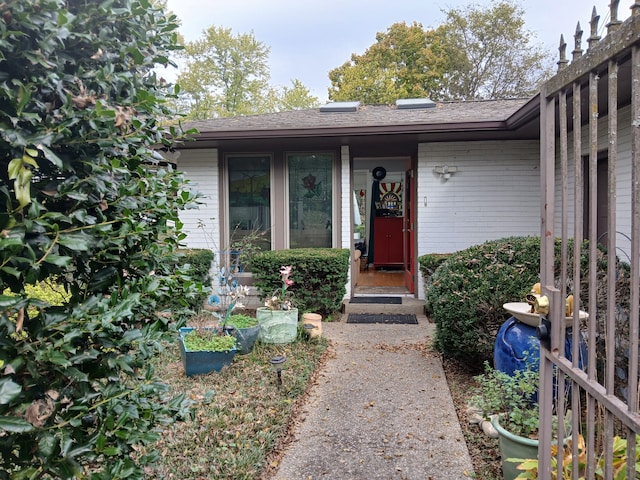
[[241, 415]]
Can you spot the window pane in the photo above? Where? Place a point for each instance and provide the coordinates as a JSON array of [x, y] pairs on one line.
[[310, 197], [249, 202]]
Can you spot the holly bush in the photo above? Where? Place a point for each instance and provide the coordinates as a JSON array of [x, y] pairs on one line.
[[466, 293], [85, 203]]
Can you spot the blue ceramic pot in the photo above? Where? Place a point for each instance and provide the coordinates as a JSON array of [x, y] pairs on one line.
[[517, 347]]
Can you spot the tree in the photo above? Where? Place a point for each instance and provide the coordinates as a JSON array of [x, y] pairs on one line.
[[406, 62], [86, 207], [227, 75], [491, 54], [476, 54]]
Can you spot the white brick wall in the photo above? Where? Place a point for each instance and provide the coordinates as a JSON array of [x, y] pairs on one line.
[[494, 194]]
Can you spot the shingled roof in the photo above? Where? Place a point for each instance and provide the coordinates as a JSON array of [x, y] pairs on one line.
[[445, 116]]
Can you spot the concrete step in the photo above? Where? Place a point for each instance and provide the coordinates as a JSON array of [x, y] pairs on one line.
[[409, 305]]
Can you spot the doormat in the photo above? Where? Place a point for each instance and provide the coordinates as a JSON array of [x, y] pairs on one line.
[[382, 318], [387, 300]]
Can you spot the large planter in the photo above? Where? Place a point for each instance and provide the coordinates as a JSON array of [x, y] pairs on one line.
[[202, 362], [277, 326], [247, 338], [513, 446]]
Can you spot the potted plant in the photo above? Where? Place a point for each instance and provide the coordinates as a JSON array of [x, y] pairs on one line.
[[278, 319], [205, 344], [245, 329], [510, 401], [205, 349], [529, 467]]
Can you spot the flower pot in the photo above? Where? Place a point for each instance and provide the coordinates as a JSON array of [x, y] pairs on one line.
[[513, 446], [201, 362], [277, 326], [314, 319], [247, 338]]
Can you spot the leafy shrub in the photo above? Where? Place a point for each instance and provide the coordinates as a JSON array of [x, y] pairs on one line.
[[468, 290], [84, 204], [196, 264], [319, 276], [429, 263]]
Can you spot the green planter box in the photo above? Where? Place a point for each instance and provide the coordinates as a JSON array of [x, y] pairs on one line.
[[201, 362]]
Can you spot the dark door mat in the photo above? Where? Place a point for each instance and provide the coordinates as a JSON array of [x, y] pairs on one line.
[[387, 300], [381, 318]]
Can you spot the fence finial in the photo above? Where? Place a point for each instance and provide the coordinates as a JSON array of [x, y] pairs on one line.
[[563, 54], [577, 37], [594, 38], [614, 23]]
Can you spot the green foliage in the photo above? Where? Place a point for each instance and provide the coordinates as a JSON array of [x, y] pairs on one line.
[[85, 207], [319, 276], [240, 320], [428, 264], [529, 466], [468, 290], [208, 340], [510, 397], [405, 62], [478, 53], [466, 293], [227, 75], [196, 263], [490, 53]]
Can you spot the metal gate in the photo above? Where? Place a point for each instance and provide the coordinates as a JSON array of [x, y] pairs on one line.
[[590, 231]]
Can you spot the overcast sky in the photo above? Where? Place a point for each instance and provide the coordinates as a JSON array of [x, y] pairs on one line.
[[308, 38]]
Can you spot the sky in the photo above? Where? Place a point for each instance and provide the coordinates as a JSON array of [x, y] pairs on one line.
[[308, 38]]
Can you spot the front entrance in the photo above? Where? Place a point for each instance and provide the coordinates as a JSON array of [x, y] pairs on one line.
[[383, 226]]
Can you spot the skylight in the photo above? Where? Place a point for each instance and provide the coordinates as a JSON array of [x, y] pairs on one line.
[[340, 107], [407, 103]]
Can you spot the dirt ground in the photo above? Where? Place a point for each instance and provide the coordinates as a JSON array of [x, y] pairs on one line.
[[484, 451]]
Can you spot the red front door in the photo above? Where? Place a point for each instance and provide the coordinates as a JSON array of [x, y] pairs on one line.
[[409, 232]]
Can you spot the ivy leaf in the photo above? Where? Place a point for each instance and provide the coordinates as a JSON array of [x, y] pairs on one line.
[[15, 424], [76, 241], [9, 390], [59, 260], [49, 155]]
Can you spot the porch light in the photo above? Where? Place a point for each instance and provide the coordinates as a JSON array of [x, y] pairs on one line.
[[445, 171]]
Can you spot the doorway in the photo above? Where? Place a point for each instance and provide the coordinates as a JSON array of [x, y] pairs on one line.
[[381, 216]]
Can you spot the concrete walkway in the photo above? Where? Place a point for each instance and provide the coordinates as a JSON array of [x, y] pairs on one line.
[[381, 409]]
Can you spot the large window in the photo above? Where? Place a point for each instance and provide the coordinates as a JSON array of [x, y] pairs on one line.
[[250, 200], [310, 199]]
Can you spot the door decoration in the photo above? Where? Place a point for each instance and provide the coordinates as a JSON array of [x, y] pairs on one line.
[[391, 195]]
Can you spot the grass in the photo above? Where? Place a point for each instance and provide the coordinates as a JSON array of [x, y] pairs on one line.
[[241, 415]]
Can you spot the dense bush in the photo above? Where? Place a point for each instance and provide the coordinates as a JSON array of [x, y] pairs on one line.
[[319, 276], [85, 204], [429, 263], [197, 263], [468, 290]]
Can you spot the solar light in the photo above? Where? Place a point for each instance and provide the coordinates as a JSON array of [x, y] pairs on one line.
[[308, 328], [276, 364]]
